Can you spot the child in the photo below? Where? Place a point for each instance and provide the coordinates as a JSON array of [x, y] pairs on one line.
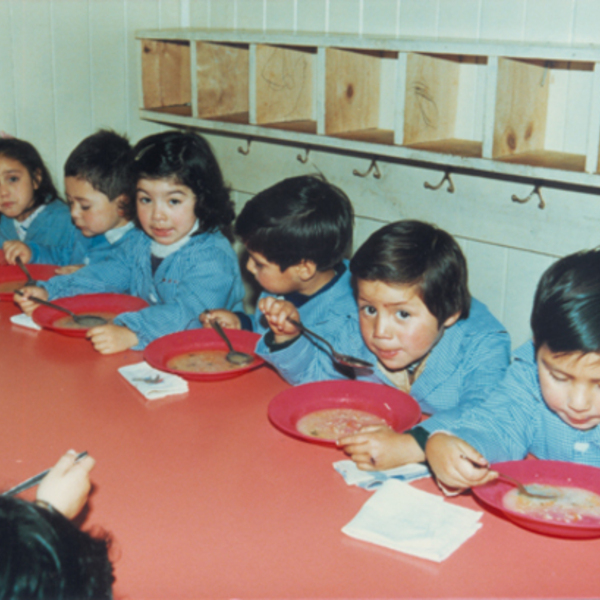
[[296, 234], [180, 262], [549, 402], [44, 554], [97, 189], [29, 206], [419, 325]]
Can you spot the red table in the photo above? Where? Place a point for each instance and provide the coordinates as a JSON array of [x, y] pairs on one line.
[[205, 499]]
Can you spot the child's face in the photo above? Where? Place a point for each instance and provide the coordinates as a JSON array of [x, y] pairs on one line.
[[16, 188], [570, 385], [165, 209], [269, 275], [91, 211], [395, 323]]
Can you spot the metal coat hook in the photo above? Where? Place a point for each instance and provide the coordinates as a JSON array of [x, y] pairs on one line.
[[536, 191], [304, 159], [373, 167], [245, 151], [447, 178]]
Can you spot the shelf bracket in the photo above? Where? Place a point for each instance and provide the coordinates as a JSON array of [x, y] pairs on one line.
[[447, 178], [536, 191], [245, 151], [372, 168], [304, 159]]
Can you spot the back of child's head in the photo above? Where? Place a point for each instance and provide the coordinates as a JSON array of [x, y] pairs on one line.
[[417, 254], [102, 159], [300, 218], [29, 157], [566, 307], [43, 555], [188, 159]]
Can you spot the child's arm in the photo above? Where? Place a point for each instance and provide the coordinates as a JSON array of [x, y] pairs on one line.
[[110, 339], [226, 318], [278, 312], [15, 248], [27, 305], [377, 448], [457, 464]]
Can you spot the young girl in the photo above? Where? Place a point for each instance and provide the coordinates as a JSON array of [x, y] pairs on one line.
[[181, 263], [29, 204]]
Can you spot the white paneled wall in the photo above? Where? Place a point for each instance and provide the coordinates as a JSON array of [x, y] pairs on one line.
[[68, 67]]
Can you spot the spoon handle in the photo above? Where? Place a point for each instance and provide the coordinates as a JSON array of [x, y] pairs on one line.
[[217, 327], [304, 329], [25, 270], [46, 303]]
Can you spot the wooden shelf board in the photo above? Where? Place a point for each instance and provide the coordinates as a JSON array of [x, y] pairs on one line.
[[305, 126], [183, 110], [548, 159], [373, 136], [452, 146], [241, 118]]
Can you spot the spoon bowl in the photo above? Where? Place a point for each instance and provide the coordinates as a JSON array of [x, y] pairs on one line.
[[233, 356]]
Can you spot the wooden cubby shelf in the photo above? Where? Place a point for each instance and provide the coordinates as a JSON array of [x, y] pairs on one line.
[[527, 111]]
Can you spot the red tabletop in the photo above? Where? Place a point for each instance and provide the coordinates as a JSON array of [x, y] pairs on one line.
[[205, 499]]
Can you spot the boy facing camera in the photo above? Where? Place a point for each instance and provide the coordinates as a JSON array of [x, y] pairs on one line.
[[419, 326], [296, 234], [549, 402], [96, 185]]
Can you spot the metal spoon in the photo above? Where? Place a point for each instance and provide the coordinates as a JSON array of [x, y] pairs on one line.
[[30, 280], [83, 320], [343, 359], [233, 356]]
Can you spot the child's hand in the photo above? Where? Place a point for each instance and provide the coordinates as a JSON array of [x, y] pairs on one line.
[[453, 462], [67, 485], [226, 319], [68, 269], [378, 447], [110, 339], [27, 305], [14, 248], [277, 312]]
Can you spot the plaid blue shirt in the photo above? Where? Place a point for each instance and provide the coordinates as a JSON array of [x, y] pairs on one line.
[[515, 421], [202, 274]]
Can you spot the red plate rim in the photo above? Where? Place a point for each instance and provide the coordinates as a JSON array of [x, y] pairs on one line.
[[45, 316], [551, 472], [399, 409], [10, 273], [160, 351]]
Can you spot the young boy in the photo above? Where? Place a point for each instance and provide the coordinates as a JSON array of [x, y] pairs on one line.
[[549, 402], [418, 324], [96, 186], [296, 234]]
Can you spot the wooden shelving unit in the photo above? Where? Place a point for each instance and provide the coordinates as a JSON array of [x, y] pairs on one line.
[[383, 97]]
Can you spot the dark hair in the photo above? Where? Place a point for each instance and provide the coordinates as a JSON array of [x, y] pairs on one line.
[[102, 159], [29, 157], [419, 254], [566, 307], [188, 159], [300, 218], [44, 556]]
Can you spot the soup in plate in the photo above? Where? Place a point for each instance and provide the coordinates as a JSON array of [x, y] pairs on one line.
[[334, 423], [67, 322], [202, 361]]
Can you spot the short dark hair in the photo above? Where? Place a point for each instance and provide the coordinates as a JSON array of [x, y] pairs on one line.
[[102, 159], [420, 254], [187, 158], [566, 307], [300, 218], [29, 157], [43, 555]]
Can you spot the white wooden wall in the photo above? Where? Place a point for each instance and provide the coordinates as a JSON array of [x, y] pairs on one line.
[[68, 67]]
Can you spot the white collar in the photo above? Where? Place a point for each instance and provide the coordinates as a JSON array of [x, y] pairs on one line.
[[23, 226], [162, 251], [115, 234]]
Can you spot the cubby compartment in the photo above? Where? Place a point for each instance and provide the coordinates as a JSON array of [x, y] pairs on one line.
[[359, 94], [285, 88], [539, 116], [222, 76], [443, 103], [166, 81]]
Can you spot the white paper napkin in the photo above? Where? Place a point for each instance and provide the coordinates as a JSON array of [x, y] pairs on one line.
[[403, 518], [24, 321], [144, 378], [371, 480]]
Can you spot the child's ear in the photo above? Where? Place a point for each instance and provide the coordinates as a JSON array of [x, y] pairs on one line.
[[122, 202], [37, 179], [306, 269], [451, 320]]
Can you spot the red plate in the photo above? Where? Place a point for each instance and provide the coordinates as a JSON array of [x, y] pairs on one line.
[[45, 316], [159, 352], [549, 472], [399, 410], [12, 273]]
